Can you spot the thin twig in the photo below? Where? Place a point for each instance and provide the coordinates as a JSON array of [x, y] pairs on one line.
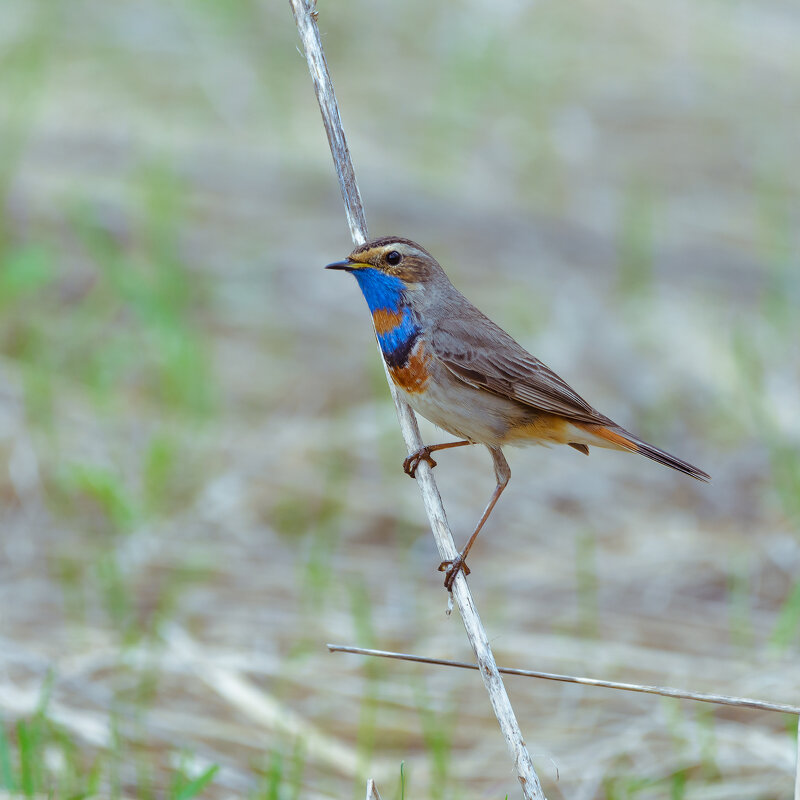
[[797, 765], [665, 691], [305, 16]]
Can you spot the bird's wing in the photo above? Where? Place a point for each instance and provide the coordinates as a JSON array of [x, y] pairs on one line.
[[484, 356]]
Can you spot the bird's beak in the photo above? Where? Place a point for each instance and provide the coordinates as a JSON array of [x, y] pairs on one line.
[[346, 264]]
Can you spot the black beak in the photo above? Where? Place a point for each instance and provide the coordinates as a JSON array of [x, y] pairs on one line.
[[346, 264]]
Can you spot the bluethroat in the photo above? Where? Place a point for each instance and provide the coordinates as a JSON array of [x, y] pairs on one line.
[[465, 374]]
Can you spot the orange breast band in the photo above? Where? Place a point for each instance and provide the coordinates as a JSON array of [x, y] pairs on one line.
[[413, 375]]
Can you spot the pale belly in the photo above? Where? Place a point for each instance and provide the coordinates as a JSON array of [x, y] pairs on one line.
[[461, 410]]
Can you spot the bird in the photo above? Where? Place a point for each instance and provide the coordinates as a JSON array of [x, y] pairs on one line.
[[464, 373]]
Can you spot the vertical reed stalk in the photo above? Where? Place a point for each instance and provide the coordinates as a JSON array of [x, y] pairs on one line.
[[305, 16]]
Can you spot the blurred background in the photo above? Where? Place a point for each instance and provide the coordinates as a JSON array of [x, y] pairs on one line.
[[200, 466]]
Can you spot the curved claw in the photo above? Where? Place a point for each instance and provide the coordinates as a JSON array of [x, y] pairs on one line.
[[451, 569], [412, 462]]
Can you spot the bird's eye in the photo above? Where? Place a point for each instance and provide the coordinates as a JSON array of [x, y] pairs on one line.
[[393, 258]]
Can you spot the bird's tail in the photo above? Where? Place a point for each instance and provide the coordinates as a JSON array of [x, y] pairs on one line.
[[619, 438]]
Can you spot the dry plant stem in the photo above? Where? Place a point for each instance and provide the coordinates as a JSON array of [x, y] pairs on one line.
[[305, 17], [664, 691], [372, 791], [797, 766]]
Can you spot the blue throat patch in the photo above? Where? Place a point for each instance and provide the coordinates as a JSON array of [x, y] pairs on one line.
[[382, 291]]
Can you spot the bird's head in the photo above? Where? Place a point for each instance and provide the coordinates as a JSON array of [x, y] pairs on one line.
[[393, 257], [391, 270]]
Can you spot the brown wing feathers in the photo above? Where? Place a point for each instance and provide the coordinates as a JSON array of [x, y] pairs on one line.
[[486, 357]]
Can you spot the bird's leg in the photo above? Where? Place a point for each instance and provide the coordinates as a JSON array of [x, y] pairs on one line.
[[503, 473], [424, 454]]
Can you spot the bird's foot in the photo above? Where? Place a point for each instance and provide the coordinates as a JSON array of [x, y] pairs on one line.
[[412, 462], [451, 569]]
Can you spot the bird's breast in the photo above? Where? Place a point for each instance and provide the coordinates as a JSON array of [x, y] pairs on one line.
[[399, 339], [412, 375]]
